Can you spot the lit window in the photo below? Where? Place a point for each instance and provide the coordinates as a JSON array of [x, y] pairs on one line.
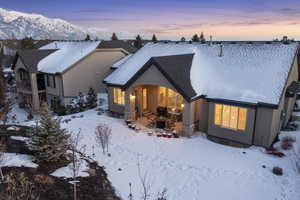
[[162, 96], [145, 99], [232, 117], [169, 98], [119, 96]]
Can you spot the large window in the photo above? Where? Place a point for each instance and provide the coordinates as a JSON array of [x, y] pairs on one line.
[[119, 96], [169, 98], [232, 117]]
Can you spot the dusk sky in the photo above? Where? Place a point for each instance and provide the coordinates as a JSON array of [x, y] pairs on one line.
[[224, 20]]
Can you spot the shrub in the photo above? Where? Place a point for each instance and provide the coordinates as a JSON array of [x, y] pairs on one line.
[[277, 171], [273, 151], [287, 142]]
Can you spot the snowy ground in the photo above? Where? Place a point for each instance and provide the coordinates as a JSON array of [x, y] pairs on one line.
[[190, 168]]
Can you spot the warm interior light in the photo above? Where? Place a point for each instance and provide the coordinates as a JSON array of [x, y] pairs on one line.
[[182, 105], [132, 97]]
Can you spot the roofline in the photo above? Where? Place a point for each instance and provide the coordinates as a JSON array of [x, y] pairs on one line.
[[287, 78], [145, 67]]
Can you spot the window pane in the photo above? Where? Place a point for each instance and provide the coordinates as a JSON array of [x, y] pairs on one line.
[[162, 96], [226, 116], [234, 117], [119, 96], [242, 119], [115, 95], [123, 98], [144, 98], [218, 114]]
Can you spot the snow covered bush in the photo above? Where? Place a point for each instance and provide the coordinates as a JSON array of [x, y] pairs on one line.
[[103, 135], [82, 102], [287, 142], [48, 140]]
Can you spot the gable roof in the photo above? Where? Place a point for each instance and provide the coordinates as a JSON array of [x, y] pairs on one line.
[[67, 54], [251, 73], [177, 70], [117, 44], [31, 58]]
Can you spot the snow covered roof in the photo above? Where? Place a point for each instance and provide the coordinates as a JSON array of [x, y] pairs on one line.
[[121, 61], [251, 73], [67, 53]]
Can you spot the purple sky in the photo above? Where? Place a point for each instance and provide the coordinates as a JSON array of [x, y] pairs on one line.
[[230, 19]]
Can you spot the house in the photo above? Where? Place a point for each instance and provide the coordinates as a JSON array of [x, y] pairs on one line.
[[241, 93], [58, 71]]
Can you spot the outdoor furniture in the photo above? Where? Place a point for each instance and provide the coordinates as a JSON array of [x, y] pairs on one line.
[[160, 123], [162, 111]]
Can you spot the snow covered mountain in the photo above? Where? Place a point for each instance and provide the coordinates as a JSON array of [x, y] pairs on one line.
[[20, 25]]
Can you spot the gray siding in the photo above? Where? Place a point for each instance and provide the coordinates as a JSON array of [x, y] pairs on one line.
[[244, 137], [116, 108], [270, 121]]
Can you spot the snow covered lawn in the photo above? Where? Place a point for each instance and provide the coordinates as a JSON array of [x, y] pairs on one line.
[[190, 168]]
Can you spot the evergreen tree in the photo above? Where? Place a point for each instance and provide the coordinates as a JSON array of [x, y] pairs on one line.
[[49, 140], [182, 39], [91, 98], [88, 37], [114, 37], [138, 43], [154, 39], [196, 38], [202, 38], [27, 43]]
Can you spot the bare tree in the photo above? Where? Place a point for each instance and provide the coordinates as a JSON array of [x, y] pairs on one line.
[[76, 159], [103, 135], [146, 185]]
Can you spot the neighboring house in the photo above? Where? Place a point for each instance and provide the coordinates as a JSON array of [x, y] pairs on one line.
[[58, 71], [240, 93]]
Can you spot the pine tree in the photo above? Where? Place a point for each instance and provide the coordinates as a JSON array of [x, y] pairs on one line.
[[138, 43], [154, 39], [27, 43], [114, 37], [88, 37], [49, 140], [182, 39], [195, 38], [91, 98], [202, 38]]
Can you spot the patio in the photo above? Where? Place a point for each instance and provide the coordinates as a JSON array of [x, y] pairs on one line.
[[157, 108]]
